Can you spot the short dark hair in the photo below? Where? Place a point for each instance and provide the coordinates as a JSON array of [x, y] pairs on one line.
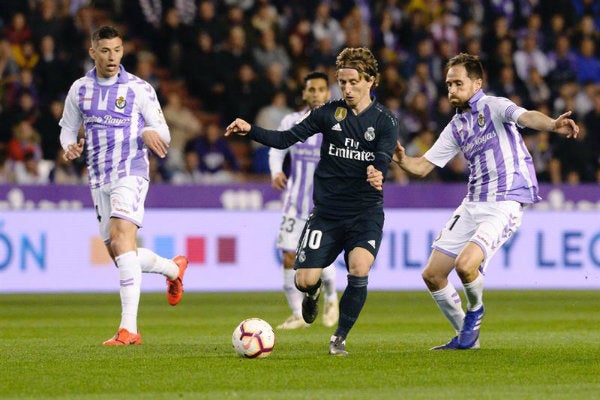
[[471, 63], [105, 32], [316, 75]]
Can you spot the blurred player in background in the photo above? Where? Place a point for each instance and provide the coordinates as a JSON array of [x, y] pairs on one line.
[[122, 119], [501, 182], [359, 137], [297, 203]]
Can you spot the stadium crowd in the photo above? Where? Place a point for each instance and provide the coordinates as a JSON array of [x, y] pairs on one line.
[[213, 60]]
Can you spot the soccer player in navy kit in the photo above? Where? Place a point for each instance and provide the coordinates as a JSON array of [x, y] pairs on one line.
[[501, 181], [359, 137]]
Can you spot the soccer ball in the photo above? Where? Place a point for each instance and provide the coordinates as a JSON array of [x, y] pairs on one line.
[[253, 338]]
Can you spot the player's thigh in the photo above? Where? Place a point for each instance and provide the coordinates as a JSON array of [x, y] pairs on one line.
[[127, 198], [438, 267], [362, 241], [320, 244], [456, 233], [496, 223]]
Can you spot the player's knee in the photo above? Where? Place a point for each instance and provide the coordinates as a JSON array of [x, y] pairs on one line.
[[431, 279]]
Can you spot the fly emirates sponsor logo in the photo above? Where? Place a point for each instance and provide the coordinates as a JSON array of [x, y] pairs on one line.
[[351, 151]]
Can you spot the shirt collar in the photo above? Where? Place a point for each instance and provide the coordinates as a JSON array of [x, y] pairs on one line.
[[122, 74]]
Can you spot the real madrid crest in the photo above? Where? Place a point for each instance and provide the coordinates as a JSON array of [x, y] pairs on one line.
[[370, 133], [481, 120], [120, 102], [340, 113]]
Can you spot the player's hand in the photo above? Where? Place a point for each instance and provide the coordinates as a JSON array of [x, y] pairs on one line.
[[566, 126], [238, 126], [375, 178], [155, 143], [74, 150], [279, 182], [399, 154]]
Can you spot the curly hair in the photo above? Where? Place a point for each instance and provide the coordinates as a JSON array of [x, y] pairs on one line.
[[360, 59]]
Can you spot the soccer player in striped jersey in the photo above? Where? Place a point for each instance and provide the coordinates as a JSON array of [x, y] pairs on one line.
[[298, 203], [359, 137], [501, 183], [122, 119]]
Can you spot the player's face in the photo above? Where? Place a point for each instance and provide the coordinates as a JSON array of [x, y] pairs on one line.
[[107, 54], [355, 88], [460, 87], [316, 92]]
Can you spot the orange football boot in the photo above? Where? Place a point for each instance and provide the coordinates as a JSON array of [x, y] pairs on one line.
[[175, 286], [124, 338]]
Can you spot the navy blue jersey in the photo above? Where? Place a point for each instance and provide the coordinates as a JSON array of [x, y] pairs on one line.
[[350, 144]]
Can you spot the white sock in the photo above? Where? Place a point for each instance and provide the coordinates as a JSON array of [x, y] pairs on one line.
[[450, 305], [154, 264], [474, 293], [328, 276], [292, 294], [130, 279]]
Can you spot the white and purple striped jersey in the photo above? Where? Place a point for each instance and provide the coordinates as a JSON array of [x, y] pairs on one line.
[[304, 157], [114, 113], [500, 166]]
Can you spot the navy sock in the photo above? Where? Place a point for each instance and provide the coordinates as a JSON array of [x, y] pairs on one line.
[[351, 303]]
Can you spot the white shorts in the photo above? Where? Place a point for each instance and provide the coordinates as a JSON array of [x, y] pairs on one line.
[[290, 231], [123, 198], [489, 225]]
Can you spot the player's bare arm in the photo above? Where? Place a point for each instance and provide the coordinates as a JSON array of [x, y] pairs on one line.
[[541, 122], [238, 126], [155, 143], [418, 166], [74, 150]]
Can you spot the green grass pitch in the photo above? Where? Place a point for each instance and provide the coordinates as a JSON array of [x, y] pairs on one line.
[[535, 345]]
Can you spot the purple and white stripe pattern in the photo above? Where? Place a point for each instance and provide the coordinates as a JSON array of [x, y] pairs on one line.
[[113, 117], [304, 157], [500, 166]]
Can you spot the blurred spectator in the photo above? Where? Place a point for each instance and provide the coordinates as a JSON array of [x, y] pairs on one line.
[[325, 26], [7, 174], [540, 148], [17, 31], [530, 56], [271, 115], [25, 140], [563, 63], [216, 157], [421, 82], [233, 54], [592, 124], [506, 84], [49, 72], [64, 172], [577, 163], [25, 55], [183, 124], [355, 23], [9, 69], [538, 92], [31, 170], [269, 52], [190, 173], [445, 28], [47, 126], [244, 95], [588, 64], [201, 71], [206, 21]]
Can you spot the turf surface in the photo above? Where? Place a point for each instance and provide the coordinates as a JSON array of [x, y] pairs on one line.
[[535, 345]]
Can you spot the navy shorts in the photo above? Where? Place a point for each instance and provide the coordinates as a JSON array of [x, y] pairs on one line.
[[323, 239]]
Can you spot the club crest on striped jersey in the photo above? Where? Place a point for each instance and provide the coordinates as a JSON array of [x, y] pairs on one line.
[[340, 114], [120, 102], [481, 120], [370, 133]]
